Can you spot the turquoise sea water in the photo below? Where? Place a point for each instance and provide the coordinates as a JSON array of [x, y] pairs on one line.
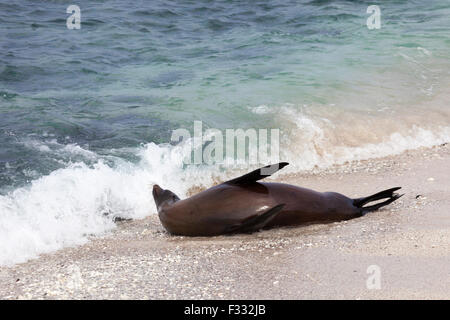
[[86, 115]]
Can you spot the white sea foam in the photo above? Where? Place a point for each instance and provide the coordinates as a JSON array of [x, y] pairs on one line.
[[53, 146], [394, 144], [319, 143], [65, 207]]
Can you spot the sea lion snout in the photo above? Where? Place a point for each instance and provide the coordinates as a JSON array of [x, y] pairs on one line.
[[156, 191], [163, 196]]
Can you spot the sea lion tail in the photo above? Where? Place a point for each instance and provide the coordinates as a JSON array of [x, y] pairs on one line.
[[389, 194], [256, 222]]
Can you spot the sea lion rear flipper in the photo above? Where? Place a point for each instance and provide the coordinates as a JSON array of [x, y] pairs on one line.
[[255, 223], [258, 174], [386, 194]]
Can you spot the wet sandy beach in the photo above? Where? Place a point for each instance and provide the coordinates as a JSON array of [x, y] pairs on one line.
[[408, 241]]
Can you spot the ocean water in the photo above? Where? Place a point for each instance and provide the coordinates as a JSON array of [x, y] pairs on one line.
[[86, 115]]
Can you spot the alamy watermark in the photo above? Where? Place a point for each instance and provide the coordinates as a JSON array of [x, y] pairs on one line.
[[229, 146], [374, 20], [374, 280], [74, 20]]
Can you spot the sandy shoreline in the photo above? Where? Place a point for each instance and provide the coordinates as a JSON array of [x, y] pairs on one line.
[[409, 241]]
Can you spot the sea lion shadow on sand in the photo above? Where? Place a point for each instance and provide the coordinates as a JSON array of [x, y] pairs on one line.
[[244, 205]]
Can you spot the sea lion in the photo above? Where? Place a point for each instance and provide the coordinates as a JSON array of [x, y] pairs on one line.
[[244, 205]]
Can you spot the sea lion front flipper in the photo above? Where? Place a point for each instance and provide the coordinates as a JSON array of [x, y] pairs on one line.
[[256, 222], [257, 174]]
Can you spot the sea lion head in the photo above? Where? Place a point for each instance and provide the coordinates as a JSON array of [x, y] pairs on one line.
[[163, 197]]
